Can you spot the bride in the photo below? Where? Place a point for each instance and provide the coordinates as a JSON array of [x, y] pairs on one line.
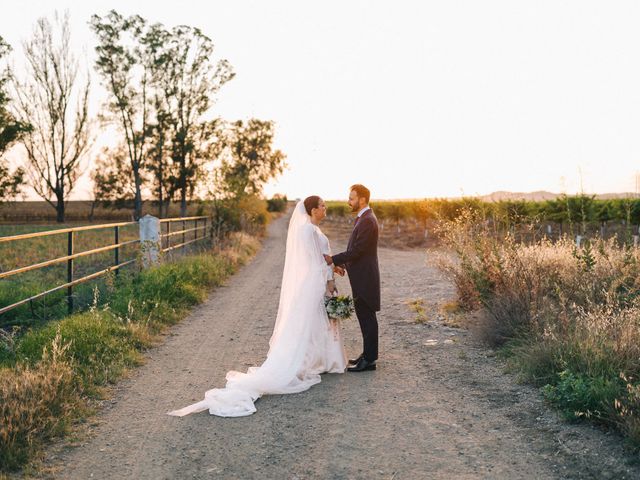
[[304, 343]]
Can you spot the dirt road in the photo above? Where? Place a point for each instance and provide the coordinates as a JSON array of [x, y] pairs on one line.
[[439, 406]]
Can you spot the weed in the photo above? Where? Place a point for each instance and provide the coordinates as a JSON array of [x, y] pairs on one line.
[[417, 306]]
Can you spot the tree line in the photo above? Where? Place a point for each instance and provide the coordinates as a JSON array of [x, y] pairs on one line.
[[161, 86]]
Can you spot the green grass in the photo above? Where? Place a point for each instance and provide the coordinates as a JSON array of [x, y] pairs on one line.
[[96, 347], [584, 396]]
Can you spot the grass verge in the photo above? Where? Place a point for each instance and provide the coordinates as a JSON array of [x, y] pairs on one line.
[[566, 318], [51, 376]]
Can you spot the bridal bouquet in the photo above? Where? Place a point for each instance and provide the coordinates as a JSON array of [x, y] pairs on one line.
[[339, 308]]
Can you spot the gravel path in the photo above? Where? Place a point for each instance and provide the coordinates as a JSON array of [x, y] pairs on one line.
[[439, 405]]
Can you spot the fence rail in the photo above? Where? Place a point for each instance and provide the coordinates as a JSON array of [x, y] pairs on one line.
[[115, 246]]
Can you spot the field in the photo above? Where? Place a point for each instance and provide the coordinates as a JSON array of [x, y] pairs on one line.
[[526, 221], [27, 252], [30, 212]]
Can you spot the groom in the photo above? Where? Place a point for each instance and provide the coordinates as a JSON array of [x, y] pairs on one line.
[[361, 262]]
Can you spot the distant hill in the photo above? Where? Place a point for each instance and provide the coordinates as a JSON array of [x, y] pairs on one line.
[[531, 196], [543, 195], [608, 196]]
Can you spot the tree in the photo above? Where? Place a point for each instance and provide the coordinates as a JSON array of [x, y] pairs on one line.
[[187, 80], [421, 212], [52, 100], [248, 160], [112, 178], [10, 132], [160, 164], [125, 67], [10, 182]]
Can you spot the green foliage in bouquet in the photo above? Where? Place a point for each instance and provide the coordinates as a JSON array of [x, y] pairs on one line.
[[340, 307]]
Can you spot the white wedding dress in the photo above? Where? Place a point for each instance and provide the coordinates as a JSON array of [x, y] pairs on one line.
[[304, 342]]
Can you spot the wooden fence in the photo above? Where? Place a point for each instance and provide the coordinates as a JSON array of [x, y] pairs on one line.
[[163, 246]]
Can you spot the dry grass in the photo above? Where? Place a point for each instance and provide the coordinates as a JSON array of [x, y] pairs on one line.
[[452, 315], [568, 318], [36, 403]]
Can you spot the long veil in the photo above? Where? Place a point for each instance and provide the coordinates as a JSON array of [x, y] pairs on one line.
[[290, 365]]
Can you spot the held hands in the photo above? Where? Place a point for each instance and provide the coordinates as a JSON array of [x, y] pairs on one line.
[[339, 270]]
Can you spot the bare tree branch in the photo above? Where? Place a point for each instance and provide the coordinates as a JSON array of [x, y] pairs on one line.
[[59, 139]]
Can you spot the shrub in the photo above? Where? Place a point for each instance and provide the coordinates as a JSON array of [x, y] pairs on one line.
[[584, 396], [248, 213], [254, 216], [628, 412], [277, 203], [338, 209], [567, 318]]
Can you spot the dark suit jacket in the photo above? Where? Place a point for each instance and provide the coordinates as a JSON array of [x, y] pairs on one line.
[[361, 260]]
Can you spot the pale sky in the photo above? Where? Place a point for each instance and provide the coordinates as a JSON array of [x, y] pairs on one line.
[[416, 98]]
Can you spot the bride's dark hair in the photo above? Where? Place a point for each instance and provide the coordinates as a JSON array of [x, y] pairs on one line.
[[310, 203]]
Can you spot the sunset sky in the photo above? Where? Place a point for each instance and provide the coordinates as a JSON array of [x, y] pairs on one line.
[[415, 98]]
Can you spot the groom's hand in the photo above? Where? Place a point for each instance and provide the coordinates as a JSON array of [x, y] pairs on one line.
[[328, 259], [339, 270]]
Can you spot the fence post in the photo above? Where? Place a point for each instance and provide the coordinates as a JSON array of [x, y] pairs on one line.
[[195, 230], [184, 235], [149, 240], [116, 237], [70, 272]]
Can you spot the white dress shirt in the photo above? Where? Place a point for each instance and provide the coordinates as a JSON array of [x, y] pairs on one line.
[[361, 212]]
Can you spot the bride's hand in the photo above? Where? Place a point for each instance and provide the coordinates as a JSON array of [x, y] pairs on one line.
[[331, 288]]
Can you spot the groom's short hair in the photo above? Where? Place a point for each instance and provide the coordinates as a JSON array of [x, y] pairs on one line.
[[362, 191]]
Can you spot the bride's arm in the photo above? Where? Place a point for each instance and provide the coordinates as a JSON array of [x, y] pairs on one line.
[[317, 260], [331, 279]]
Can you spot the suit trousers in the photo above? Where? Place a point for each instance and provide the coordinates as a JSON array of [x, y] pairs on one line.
[[369, 327]]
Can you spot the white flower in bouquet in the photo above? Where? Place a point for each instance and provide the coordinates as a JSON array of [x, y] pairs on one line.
[[339, 308]]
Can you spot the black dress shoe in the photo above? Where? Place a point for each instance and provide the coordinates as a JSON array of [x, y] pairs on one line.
[[363, 365], [355, 360]]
